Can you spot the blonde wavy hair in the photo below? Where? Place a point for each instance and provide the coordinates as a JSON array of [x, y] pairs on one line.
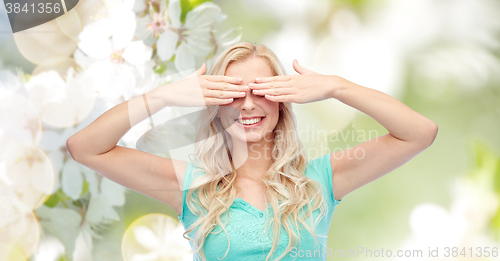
[[289, 190]]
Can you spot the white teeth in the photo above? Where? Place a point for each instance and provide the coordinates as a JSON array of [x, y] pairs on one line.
[[249, 122]]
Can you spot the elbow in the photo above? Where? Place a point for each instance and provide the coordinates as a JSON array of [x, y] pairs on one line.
[[430, 134], [72, 147], [424, 136]]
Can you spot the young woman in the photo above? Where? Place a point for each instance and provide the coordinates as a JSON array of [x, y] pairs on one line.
[[250, 193]]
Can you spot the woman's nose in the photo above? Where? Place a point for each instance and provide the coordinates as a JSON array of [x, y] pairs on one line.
[[248, 100]]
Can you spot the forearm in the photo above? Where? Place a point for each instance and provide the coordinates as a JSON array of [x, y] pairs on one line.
[[103, 134], [401, 121]]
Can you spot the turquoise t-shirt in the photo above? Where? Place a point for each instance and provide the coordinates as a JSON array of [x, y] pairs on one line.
[[247, 225]]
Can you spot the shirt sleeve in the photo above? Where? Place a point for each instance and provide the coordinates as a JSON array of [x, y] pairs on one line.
[[187, 182], [323, 168]]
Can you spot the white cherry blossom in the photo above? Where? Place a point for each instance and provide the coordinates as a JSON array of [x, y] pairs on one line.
[[194, 35], [120, 61]]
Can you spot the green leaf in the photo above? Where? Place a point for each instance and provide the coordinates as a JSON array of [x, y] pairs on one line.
[[160, 68], [357, 5], [65, 257], [85, 188], [25, 77], [52, 200], [61, 195], [485, 157], [495, 221], [188, 5], [496, 180]]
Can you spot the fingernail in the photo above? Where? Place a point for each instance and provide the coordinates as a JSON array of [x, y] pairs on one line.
[[240, 79], [251, 84], [257, 79], [243, 93], [246, 88]]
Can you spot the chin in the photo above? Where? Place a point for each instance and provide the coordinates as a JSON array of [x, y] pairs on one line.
[[251, 138], [254, 139]]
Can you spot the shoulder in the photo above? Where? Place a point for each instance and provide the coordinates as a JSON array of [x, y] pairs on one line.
[[192, 172], [322, 165], [320, 169]]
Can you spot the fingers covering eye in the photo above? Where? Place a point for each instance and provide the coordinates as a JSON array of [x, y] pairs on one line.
[[274, 91], [225, 86], [233, 80], [221, 94]]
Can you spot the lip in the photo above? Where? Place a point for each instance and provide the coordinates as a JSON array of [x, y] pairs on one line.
[[253, 125], [248, 118]]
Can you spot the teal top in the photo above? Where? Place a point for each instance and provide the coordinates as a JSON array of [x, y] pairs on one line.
[[247, 225]]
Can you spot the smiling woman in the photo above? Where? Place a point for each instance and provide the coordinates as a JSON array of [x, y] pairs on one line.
[[249, 193], [267, 172], [259, 116]]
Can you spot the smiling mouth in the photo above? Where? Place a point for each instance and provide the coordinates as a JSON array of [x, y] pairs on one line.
[[251, 121]]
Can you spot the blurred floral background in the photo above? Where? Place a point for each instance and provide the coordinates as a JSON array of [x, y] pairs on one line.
[[441, 58]]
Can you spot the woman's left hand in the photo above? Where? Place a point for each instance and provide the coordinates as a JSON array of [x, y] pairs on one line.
[[308, 86]]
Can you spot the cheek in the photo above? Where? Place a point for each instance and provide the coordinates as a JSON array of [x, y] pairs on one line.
[[270, 106], [228, 111], [274, 110]]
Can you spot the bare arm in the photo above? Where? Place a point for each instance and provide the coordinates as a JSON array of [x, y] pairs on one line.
[[409, 134], [95, 145]]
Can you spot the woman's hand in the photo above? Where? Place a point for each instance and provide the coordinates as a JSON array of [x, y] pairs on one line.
[[215, 89], [307, 87]]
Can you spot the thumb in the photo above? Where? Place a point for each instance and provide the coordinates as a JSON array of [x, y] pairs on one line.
[[299, 68], [202, 70]]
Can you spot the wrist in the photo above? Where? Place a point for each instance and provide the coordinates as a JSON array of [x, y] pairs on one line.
[[336, 84], [161, 95]]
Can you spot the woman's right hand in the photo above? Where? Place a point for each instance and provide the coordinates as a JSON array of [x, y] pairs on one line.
[[205, 90]]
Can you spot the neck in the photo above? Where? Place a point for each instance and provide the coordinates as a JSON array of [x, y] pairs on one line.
[[252, 159]]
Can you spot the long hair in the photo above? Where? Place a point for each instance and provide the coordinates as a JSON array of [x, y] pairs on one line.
[[289, 190]]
